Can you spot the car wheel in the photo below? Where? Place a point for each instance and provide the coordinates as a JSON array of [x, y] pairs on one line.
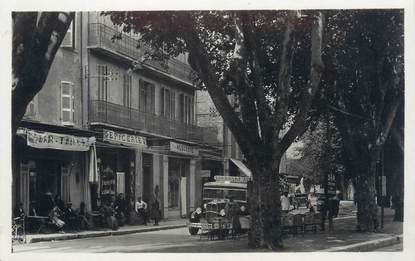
[[193, 230]]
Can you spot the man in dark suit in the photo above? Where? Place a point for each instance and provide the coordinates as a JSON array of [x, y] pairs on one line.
[[70, 216]]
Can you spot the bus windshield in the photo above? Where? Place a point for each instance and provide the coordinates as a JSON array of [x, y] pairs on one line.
[[223, 193]]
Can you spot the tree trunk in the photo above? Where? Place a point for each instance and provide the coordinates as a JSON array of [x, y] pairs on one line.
[[366, 198], [265, 208]]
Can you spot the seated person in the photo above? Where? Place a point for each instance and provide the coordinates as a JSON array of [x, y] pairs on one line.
[[312, 201], [84, 217], [70, 216], [54, 216], [141, 209], [19, 211], [33, 209]]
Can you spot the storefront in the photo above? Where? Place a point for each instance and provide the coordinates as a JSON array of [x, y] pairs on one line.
[[179, 179], [48, 163], [118, 163]]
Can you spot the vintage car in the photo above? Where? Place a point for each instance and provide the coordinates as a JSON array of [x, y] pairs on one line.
[[221, 199], [218, 215]]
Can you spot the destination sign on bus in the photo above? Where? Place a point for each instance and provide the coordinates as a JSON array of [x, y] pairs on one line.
[[232, 179]]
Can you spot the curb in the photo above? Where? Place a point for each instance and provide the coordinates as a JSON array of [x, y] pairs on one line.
[[369, 245], [102, 234]]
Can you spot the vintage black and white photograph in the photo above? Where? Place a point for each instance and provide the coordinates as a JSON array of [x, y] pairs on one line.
[[208, 131]]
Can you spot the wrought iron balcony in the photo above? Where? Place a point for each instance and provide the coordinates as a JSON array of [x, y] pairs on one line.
[[115, 114], [101, 36]]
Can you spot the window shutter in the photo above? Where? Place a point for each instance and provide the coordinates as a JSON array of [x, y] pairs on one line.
[[173, 105], [142, 96], [153, 98], [162, 101], [67, 103]]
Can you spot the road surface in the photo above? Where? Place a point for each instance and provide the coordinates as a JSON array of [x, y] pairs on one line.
[[173, 240]]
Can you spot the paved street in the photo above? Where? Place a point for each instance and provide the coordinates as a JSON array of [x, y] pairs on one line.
[[173, 240], [179, 240]]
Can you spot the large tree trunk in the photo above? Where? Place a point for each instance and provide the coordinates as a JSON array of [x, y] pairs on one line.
[[366, 197], [265, 207]]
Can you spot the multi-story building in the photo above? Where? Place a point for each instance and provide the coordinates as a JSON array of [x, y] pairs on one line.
[[209, 117], [130, 130]]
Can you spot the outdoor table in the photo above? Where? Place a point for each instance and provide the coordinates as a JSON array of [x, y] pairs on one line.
[[42, 220]]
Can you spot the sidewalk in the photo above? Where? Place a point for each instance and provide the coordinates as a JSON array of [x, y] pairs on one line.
[[167, 224], [345, 238]]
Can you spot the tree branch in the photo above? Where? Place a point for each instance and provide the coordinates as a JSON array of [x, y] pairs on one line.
[[316, 70], [199, 61], [284, 76], [264, 110]]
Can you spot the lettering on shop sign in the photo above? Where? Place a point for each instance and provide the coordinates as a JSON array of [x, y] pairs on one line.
[[232, 179], [124, 138], [183, 149], [48, 140]]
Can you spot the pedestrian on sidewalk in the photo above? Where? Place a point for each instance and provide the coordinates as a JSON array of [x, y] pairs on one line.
[[285, 202], [155, 211], [333, 208], [141, 209]]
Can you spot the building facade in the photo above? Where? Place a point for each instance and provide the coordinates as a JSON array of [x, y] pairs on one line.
[[130, 130]]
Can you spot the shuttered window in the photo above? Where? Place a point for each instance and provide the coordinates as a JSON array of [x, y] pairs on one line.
[[69, 39], [168, 103], [67, 103], [102, 71]]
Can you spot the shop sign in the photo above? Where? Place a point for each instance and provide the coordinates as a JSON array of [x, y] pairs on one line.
[[124, 138], [183, 149], [48, 140], [232, 179]]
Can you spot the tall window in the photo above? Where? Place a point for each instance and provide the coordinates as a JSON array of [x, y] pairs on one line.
[[67, 103], [127, 90], [147, 97], [186, 109], [69, 39], [167, 103], [102, 72], [31, 109]]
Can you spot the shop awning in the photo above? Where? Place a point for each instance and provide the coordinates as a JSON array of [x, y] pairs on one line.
[[242, 167], [51, 140]]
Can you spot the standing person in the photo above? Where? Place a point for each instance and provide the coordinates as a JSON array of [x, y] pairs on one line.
[[70, 216], [141, 209], [155, 211], [109, 215], [285, 202], [83, 216], [234, 212], [333, 209], [119, 208]]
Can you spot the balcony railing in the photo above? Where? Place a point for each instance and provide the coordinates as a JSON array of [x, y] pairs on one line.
[[115, 114], [101, 36]]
